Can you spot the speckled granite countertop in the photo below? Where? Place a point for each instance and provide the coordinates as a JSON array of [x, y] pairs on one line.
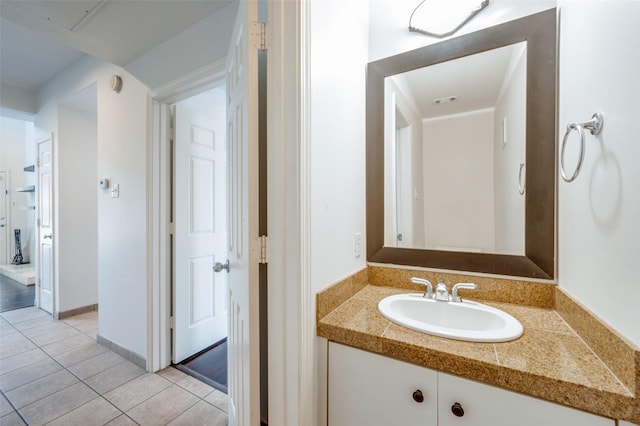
[[549, 361]]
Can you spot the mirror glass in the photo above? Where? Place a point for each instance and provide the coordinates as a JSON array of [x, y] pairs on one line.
[[454, 148], [429, 189]]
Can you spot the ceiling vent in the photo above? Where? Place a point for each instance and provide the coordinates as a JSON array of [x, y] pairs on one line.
[[445, 100]]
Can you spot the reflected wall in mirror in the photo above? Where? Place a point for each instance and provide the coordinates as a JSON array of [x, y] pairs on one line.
[[530, 250], [454, 142]]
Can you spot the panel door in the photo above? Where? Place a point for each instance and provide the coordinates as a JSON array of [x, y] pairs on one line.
[[200, 296], [46, 286], [243, 241]]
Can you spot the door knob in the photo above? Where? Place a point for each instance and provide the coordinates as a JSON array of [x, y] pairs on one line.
[[218, 267], [417, 396]]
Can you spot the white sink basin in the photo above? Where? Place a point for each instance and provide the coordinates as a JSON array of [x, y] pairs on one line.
[[470, 321]]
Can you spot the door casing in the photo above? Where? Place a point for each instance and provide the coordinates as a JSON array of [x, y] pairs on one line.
[[159, 213]]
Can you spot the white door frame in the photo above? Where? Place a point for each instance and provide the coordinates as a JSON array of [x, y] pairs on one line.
[[297, 364], [294, 368], [159, 210]]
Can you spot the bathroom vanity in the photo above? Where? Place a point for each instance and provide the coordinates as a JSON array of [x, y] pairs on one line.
[[548, 376], [369, 389]]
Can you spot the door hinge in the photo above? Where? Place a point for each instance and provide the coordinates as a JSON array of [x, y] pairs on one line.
[[264, 240], [172, 228], [258, 35], [172, 323], [38, 162]]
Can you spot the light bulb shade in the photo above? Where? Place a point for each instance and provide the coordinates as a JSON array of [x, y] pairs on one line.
[[441, 18]]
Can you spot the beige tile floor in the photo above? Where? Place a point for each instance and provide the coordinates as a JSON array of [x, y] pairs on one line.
[[53, 372]]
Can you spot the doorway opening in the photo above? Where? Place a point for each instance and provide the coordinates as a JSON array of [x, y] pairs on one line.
[[17, 270], [199, 240]]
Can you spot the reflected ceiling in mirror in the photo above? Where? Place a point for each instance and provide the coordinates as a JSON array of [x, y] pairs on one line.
[[454, 142], [538, 260]]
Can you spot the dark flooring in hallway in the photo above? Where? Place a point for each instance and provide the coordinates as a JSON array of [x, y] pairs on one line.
[[14, 295], [209, 366]]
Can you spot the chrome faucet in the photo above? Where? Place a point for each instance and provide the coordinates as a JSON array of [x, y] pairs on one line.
[[428, 293], [442, 293]]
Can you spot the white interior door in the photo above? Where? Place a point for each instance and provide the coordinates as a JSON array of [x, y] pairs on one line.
[[200, 296], [4, 218], [45, 225], [243, 244]]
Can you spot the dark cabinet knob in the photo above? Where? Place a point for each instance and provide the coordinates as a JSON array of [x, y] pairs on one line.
[[417, 396], [457, 410]]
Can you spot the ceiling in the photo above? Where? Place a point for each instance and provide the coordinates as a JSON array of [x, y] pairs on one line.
[[473, 91], [39, 39]]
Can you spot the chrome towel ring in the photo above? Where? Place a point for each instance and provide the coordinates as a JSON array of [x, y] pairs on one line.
[[521, 185], [595, 127]]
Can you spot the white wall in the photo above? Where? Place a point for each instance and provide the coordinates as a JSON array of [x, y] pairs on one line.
[[599, 234], [338, 66], [338, 58], [509, 204], [78, 204], [196, 47], [122, 156], [458, 181], [14, 135]]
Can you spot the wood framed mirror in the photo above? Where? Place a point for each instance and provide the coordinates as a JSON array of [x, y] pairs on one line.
[[538, 259]]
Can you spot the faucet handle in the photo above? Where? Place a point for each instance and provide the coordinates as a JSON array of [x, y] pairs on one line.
[[454, 291], [428, 292]]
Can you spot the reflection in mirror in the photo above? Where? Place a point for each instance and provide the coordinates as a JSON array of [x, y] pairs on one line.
[[539, 175], [454, 142]]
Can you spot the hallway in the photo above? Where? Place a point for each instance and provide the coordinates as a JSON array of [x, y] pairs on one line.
[[53, 372], [14, 295]]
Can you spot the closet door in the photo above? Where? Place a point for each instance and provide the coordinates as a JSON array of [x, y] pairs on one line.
[[373, 390]]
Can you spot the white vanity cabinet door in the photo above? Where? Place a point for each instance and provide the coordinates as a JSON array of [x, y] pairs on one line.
[[371, 390], [486, 405]]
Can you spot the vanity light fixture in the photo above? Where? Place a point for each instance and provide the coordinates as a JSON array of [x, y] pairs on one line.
[[444, 17]]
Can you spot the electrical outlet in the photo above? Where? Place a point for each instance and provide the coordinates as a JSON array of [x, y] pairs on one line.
[[358, 244]]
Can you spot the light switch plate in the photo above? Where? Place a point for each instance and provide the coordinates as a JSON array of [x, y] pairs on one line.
[[115, 191]]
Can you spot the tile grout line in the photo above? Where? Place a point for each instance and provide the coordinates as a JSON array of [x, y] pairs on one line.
[[83, 381], [70, 372], [15, 410]]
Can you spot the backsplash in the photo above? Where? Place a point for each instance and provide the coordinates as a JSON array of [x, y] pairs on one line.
[[491, 289]]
